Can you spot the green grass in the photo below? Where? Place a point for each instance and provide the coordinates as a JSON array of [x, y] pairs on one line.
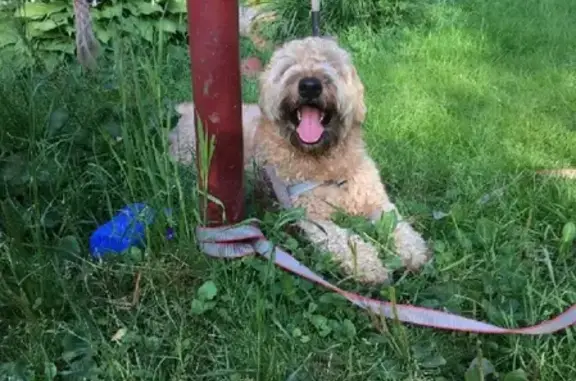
[[462, 110], [339, 15]]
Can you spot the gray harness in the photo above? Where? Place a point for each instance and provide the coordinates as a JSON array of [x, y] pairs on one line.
[[296, 190], [286, 194]]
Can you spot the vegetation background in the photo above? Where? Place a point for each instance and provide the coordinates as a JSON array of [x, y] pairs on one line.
[[466, 100]]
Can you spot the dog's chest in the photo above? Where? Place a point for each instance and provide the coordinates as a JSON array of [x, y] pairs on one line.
[[322, 200], [345, 183], [358, 195], [322, 197]]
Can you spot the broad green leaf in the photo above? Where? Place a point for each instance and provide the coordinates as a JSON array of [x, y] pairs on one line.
[[479, 369], [70, 29], [207, 291], [113, 128], [321, 324], [61, 18], [427, 355], [144, 8], [50, 371], [348, 329], [516, 375], [8, 34], [42, 26], [176, 6], [332, 299], [51, 218], [393, 263], [108, 12], [197, 307], [57, 120], [39, 28], [135, 255], [473, 374], [128, 25], [51, 62], [166, 25], [57, 46], [69, 245], [484, 364], [182, 27], [39, 10], [433, 361], [312, 307], [569, 232], [17, 56], [145, 29], [103, 34], [147, 8], [318, 321]]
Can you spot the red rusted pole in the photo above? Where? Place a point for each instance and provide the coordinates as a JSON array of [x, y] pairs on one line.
[[215, 63]]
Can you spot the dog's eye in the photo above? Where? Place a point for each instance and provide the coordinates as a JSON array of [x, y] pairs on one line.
[[288, 72], [276, 76], [280, 76]]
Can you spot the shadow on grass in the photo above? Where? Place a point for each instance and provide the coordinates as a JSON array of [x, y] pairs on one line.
[[460, 115], [75, 148], [461, 98]]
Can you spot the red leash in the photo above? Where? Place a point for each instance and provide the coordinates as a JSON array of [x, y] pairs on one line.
[[243, 240]]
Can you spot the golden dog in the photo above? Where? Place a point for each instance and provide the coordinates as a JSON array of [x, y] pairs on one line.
[[308, 126]]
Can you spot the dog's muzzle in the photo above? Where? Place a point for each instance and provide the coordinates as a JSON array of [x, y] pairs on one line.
[[310, 114]]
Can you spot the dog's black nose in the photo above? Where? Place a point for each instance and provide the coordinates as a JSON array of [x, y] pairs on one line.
[[310, 87]]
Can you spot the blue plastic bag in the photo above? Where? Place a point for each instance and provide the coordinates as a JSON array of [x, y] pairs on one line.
[[125, 230]]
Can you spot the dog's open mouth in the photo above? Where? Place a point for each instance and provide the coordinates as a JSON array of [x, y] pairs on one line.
[[310, 121]]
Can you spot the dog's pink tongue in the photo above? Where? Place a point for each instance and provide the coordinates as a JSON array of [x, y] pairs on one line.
[[310, 129]]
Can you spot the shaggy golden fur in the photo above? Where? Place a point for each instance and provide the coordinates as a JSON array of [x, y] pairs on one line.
[[272, 137]]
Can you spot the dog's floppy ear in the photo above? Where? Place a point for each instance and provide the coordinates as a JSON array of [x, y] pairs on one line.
[[356, 83], [269, 95]]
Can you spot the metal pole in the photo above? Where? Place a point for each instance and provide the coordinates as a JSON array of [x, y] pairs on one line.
[[316, 17], [215, 63]]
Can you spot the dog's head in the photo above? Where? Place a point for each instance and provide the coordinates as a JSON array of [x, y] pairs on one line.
[[311, 91]]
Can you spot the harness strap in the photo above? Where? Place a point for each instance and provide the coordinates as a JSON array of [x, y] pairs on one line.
[[298, 189]]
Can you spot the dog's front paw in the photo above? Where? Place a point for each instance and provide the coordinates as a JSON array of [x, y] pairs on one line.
[[410, 246], [362, 262], [356, 257]]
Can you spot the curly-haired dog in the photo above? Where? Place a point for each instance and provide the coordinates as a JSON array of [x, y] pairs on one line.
[[308, 126]]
